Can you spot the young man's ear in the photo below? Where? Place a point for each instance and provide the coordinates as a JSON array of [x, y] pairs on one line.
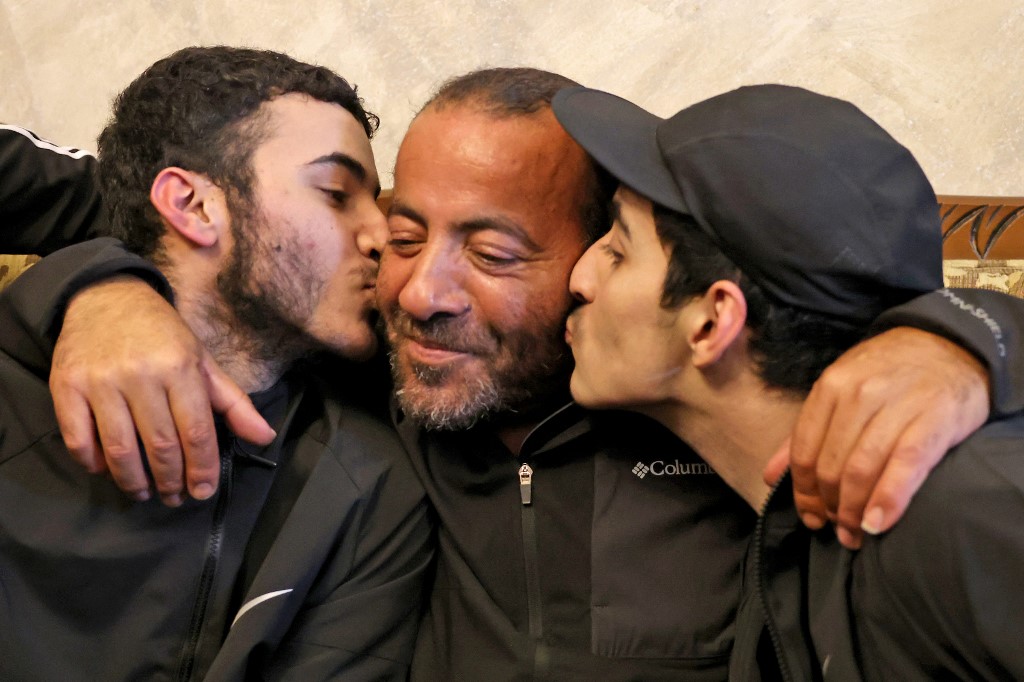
[[191, 204], [720, 317]]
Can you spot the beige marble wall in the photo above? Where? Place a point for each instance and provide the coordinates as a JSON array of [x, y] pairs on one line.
[[945, 76]]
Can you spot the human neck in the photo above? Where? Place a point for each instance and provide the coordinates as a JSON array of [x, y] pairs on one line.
[[513, 428], [513, 436], [736, 429]]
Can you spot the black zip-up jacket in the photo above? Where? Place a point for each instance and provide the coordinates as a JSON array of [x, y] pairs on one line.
[[939, 597], [606, 551], [309, 564]]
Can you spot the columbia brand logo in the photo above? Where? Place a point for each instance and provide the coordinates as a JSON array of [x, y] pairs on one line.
[[641, 469], [660, 467]]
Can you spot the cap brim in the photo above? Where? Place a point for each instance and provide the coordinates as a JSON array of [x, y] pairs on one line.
[[622, 138]]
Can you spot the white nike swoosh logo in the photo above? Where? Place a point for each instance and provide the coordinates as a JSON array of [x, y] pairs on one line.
[[249, 605]]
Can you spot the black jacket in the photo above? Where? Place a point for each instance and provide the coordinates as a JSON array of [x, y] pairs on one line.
[[826, 604], [308, 564], [939, 597], [615, 556]]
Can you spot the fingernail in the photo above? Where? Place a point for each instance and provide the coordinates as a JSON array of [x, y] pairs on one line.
[[847, 539], [812, 521], [202, 491], [872, 522], [141, 496], [171, 500]]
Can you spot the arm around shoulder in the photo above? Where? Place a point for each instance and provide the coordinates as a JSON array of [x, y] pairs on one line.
[[989, 324], [35, 303]]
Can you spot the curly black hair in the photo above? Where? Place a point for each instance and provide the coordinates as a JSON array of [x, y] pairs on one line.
[[199, 109]]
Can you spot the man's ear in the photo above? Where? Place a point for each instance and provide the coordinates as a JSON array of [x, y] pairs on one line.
[[721, 316], [191, 204]]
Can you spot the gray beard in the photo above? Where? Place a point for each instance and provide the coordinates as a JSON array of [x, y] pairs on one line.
[[523, 370], [485, 400]]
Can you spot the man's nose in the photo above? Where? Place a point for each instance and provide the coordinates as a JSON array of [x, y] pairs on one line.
[[373, 234], [436, 285]]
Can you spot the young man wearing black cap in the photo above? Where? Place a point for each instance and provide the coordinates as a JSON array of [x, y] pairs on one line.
[[758, 235]]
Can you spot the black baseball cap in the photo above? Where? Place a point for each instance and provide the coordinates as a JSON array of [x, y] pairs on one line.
[[813, 200]]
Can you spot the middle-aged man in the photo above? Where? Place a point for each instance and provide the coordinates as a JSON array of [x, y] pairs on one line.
[[715, 318], [248, 180], [571, 547]]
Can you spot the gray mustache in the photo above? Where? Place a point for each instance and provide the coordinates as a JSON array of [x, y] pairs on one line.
[[454, 334]]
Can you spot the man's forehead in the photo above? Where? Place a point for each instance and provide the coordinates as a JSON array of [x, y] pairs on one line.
[[475, 133], [308, 130], [461, 149]]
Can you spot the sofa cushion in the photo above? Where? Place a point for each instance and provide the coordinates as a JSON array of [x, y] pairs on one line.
[[1000, 275], [12, 266]]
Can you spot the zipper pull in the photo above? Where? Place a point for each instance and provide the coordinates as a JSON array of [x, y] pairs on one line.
[[526, 484]]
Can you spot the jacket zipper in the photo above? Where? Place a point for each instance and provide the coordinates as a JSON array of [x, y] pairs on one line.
[[206, 578], [762, 594], [533, 600], [526, 484]]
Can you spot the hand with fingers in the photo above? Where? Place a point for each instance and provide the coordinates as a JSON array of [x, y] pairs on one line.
[[875, 424], [127, 369]]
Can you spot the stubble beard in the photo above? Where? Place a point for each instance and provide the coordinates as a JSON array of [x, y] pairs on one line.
[[267, 295], [519, 371]]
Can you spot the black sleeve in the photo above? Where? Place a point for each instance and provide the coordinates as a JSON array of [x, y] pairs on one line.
[[987, 323], [32, 307], [360, 618], [365, 627], [49, 195], [940, 593]]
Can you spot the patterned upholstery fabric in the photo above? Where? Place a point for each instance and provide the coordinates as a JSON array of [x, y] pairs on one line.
[[12, 266], [999, 275]]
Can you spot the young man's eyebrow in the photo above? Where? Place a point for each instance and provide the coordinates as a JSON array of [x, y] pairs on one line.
[[345, 161], [616, 215]]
